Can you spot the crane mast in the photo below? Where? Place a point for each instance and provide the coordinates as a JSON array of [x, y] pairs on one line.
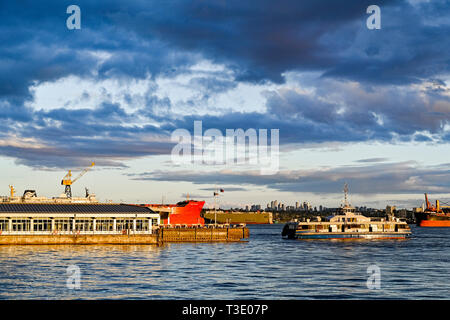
[[67, 180]]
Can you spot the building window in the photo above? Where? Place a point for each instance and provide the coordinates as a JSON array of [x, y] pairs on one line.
[[104, 225], [84, 225], [4, 225], [63, 225], [142, 225], [124, 224], [21, 225], [42, 225]]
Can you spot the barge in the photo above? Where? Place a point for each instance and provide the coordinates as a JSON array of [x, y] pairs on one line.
[[347, 224]]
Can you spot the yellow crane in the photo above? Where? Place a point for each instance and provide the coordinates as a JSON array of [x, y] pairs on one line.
[[67, 180]]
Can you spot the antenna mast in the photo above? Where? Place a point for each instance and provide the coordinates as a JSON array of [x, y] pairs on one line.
[[346, 195]]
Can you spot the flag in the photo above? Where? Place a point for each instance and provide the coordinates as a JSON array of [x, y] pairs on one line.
[[216, 194], [221, 190]]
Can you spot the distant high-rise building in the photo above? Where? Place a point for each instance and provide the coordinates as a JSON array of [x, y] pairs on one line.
[[390, 209], [255, 207], [306, 206]]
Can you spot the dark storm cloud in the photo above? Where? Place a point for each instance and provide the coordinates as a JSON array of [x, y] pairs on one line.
[[362, 112], [76, 137], [256, 40]]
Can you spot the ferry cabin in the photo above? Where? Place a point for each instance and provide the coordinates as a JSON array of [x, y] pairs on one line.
[[28, 218], [348, 224]]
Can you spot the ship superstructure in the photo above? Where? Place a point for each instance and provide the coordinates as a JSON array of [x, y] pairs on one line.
[[30, 196], [433, 216]]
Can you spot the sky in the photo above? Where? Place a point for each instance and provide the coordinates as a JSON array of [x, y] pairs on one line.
[[367, 107]]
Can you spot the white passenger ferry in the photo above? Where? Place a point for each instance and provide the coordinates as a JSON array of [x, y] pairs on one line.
[[347, 224]]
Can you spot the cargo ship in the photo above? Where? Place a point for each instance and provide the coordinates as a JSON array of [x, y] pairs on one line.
[[433, 216], [346, 223], [183, 213]]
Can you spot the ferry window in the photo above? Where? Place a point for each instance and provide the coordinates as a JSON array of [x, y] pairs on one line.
[[4, 225], [42, 225], [63, 224], [104, 224], [21, 225]]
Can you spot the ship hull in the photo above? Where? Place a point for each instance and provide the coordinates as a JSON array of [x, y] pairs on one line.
[[182, 213], [241, 217], [432, 219]]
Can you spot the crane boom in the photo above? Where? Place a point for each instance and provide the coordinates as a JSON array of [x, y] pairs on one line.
[[83, 172]]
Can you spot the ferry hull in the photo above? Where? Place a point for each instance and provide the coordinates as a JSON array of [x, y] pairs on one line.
[[352, 235]]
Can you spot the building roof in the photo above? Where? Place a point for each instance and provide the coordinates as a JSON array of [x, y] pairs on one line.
[[71, 208]]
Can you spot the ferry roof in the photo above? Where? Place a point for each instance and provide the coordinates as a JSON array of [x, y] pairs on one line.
[[71, 208]]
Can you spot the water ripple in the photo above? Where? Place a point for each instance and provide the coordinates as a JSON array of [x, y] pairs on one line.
[[266, 267]]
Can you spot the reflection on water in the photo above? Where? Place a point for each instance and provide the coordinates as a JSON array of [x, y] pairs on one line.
[[266, 267]]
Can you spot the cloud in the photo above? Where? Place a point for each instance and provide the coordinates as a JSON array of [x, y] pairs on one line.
[[227, 189], [380, 178], [384, 85], [259, 41], [373, 160]]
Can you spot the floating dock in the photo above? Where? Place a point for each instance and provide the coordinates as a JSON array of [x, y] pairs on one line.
[[158, 237]]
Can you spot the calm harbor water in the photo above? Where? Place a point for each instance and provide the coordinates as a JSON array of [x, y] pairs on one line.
[[266, 267]]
